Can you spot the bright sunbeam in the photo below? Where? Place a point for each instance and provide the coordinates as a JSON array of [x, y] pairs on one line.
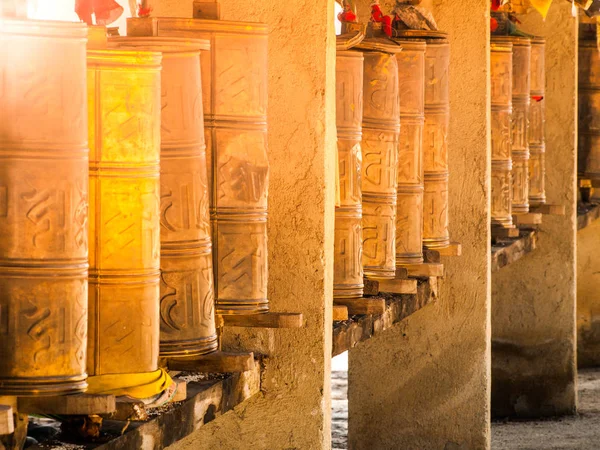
[[52, 10]]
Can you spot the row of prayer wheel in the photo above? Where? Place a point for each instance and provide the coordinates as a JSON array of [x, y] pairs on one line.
[[392, 125], [159, 165], [589, 108], [517, 83]]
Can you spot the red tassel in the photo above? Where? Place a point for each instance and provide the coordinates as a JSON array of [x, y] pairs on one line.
[[105, 11], [496, 5], [377, 16], [537, 98], [493, 24]]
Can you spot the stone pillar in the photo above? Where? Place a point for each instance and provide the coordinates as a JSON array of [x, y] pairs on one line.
[[425, 383], [533, 299], [293, 409], [588, 296]]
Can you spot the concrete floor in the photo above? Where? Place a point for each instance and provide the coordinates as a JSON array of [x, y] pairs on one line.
[[581, 432]]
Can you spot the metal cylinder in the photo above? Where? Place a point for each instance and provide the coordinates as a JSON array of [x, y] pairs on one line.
[[501, 116], [409, 213], [234, 85], [537, 122], [589, 110], [187, 325], [435, 143], [43, 208], [347, 252], [124, 121], [380, 134]]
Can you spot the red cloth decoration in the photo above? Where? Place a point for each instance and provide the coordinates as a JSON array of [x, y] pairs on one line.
[[496, 4], [105, 11], [493, 24], [143, 12], [377, 16], [347, 15], [537, 98]]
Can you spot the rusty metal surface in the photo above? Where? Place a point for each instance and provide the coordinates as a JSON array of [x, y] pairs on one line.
[[124, 121], [234, 86], [43, 208], [589, 110], [409, 213], [501, 116], [348, 268], [380, 134], [187, 322], [537, 122]]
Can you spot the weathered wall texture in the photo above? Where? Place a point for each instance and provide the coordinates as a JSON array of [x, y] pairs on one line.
[[425, 384], [533, 300], [294, 409], [588, 296]]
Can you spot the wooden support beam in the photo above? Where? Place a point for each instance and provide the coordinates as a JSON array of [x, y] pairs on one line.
[[181, 390], [16, 440], [551, 210], [266, 320], [453, 249], [425, 270], [68, 405], [504, 233], [431, 256], [398, 286], [505, 253], [362, 305], [7, 424], [217, 362], [527, 219], [340, 312]]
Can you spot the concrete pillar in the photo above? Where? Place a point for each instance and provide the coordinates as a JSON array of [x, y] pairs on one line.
[[425, 384], [533, 300], [588, 296], [293, 409]]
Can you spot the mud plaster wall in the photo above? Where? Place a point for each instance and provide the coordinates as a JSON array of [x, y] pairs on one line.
[[425, 383], [533, 300], [293, 411], [588, 296]]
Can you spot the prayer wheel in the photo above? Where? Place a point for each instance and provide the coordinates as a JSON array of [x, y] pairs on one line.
[[537, 120], [348, 240], [589, 110], [501, 116], [187, 325], [409, 215], [435, 143], [124, 120], [43, 208], [380, 134], [234, 85]]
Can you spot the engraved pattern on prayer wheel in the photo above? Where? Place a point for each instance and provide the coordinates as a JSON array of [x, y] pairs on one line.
[[124, 120], [409, 212], [380, 133], [501, 116], [347, 257], [435, 144], [520, 123], [43, 208], [589, 110], [234, 85], [187, 325], [537, 121]]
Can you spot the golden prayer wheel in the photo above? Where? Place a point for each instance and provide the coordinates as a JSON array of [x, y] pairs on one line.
[[409, 215], [234, 85], [537, 121], [501, 116], [380, 134], [589, 110], [43, 208], [124, 120], [521, 93], [347, 257], [187, 322], [435, 142]]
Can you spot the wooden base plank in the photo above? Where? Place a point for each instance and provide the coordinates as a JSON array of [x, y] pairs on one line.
[[180, 392], [548, 209], [398, 286], [340, 312], [362, 305], [68, 405], [16, 440], [7, 424], [586, 214], [425, 270], [129, 409], [454, 249], [527, 219], [217, 362], [504, 233], [266, 320], [509, 251]]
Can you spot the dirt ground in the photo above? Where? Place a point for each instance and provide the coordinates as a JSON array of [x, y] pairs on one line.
[[581, 432]]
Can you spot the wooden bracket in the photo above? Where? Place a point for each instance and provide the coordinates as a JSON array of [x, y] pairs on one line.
[[504, 233], [527, 219], [551, 210], [425, 270], [340, 312], [265, 320], [7, 423], [362, 305], [398, 286], [217, 362], [452, 249], [68, 405]]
